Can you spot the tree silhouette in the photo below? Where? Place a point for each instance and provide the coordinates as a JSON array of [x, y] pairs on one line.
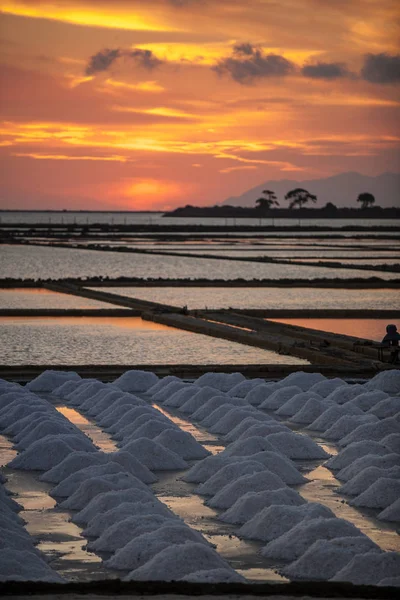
[[298, 197], [366, 199], [268, 201]]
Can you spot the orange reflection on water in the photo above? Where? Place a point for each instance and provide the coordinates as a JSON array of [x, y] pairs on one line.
[[370, 329], [122, 322]]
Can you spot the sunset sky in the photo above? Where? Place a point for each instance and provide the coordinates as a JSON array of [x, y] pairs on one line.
[[153, 104]]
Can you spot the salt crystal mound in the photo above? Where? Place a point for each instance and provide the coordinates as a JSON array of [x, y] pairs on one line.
[[354, 451], [302, 379], [132, 416], [368, 400], [86, 389], [295, 403], [7, 503], [22, 565], [392, 442], [345, 425], [312, 409], [182, 443], [101, 401], [324, 558], [253, 426], [296, 446], [174, 562], [386, 408], [260, 392], [253, 503], [390, 582], [371, 431], [380, 494], [258, 482], [391, 512], [233, 417], [167, 391], [66, 388], [149, 430], [76, 441], [361, 482], [68, 486], [13, 540], [205, 469], [97, 485], [386, 381], [50, 380], [214, 576], [46, 427], [369, 568], [216, 415], [344, 393], [197, 401], [71, 463], [327, 386], [226, 475], [42, 455], [241, 389], [162, 383], [8, 522], [295, 542], [280, 396], [24, 425], [370, 460], [155, 456], [273, 521], [211, 405], [136, 380], [120, 533], [125, 434], [182, 395], [280, 465], [146, 506], [125, 421], [140, 550], [115, 413], [132, 465], [109, 500], [221, 381], [248, 447], [14, 414]]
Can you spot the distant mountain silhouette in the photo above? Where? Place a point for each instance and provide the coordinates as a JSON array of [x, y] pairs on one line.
[[342, 190]]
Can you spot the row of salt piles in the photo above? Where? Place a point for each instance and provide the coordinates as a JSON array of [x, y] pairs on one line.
[[20, 559], [108, 494], [249, 480]]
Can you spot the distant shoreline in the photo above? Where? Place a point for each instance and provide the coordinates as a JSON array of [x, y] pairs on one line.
[[327, 212]]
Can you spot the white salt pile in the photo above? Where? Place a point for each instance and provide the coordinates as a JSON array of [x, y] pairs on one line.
[[369, 460], [252, 503], [109, 500], [216, 415], [162, 383], [166, 391], [327, 386], [139, 550], [391, 513], [176, 561], [371, 431], [182, 395], [132, 420], [44, 428], [251, 427], [358, 484], [233, 417], [392, 442], [63, 390], [249, 446], [71, 463], [386, 381], [295, 403], [221, 381], [354, 451], [280, 396], [258, 482], [96, 485], [149, 430], [182, 443], [42, 455], [68, 486], [388, 407], [344, 393], [345, 425], [154, 455], [296, 446], [368, 400], [294, 543], [213, 404], [24, 425], [198, 399], [302, 379], [227, 474], [132, 465], [206, 468], [241, 389], [273, 521], [50, 380], [313, 408], [101, 401], [324, 558], [85, 389], [370, 568], [280, 465], [214, 576], [22, 565], [136, 380], [260, 392], [380, 494]]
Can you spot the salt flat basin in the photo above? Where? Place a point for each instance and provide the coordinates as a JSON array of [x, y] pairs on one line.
[[367, 329], [262, 298], [34, 298], [119, 340]]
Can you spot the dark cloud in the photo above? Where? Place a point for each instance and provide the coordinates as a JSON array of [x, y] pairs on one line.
[[145, 58], [102, 61], [249, 63], [381, 68], [325, 70]]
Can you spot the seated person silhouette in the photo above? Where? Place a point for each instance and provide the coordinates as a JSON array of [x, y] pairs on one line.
[[391, 340]]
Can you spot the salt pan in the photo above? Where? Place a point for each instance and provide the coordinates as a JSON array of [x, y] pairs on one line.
[[370, 568], [252, 503], [381, 494]]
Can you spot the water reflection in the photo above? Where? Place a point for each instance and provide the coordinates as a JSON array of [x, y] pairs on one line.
[[369, 329]]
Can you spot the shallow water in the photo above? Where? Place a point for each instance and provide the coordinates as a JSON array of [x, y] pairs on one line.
[[370, 329], [34, 298]]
